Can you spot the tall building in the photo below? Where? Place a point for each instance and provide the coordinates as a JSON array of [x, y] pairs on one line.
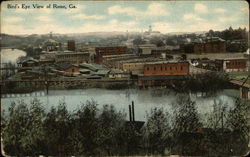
[[71, 45], [107, 51], [207, 45], [50, 35]]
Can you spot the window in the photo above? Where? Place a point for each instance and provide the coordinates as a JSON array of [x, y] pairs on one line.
[[181, 68], [170, 68], [161, 68], [147, 68], [154, 68]]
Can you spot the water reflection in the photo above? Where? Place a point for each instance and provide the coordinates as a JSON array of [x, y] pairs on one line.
[[144, 99], [9, 55]]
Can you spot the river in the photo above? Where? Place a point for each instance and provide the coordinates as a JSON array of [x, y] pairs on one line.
[[144, 99], [9, 55]]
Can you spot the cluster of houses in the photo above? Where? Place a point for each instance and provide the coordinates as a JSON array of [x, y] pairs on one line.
[[147, 63]]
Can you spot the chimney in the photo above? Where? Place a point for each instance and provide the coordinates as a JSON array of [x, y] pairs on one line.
[[71, 45], [133, 111], [130, 116]]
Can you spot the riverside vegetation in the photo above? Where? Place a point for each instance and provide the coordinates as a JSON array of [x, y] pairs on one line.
[[28, 129]]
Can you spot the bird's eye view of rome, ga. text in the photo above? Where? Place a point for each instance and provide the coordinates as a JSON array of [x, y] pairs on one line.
[[125, 78]]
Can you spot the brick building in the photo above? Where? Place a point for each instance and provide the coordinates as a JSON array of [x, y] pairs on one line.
[[163, 73], [135, 68], [66, 68], [208, 45], [159, 52], [71, 45], [106, 51], [73, 57], [166, 68], [230, 65]]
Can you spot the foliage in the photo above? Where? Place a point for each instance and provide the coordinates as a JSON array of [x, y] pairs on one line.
[[157, 131], [29, 130], [200, 82], [186, 127]]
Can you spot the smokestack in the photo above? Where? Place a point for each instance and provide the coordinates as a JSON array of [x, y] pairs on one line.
[[130, 116], [133, 111]]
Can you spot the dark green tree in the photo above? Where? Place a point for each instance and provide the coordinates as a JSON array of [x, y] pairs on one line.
[[157, 131], [186, 127]]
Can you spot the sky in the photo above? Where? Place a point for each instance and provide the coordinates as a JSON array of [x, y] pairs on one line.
[[107, 16]]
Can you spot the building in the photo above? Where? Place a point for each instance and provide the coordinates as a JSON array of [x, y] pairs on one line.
[[71, 45], [118, 74], [106, 51], [29, 62], [231, 65], [73, 57], [159, 52], [163, 73], [51, 45], [48, 57], [146, 49], [135, 68], [166, 68], [94, 69], [150, 33], [113, 61], [207, 45], [66, 68], [244, 87]]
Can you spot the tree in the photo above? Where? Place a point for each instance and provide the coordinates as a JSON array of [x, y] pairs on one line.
[[186, 126], [85, 135], [57, 130], [23, 133], [138, 41], [238, 123], [157, 41], [157, 131], [110, 127]]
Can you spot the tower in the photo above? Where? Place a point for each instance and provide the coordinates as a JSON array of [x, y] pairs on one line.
[[50, 35], [150, 29], [127, 35]]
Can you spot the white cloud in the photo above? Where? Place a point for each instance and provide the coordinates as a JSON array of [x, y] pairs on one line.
[[13, 19], [227, 19], [112, 25], [44, 18], [84, 16], [157, 9], [192, 17], [117, 9], [220, 10], [200, 8], [163, 27], [153, 9]]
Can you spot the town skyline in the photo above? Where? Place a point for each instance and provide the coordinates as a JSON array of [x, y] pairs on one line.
[[122, 16]]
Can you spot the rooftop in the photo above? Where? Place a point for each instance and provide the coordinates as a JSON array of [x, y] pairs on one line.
[[163, 77], [64, 65], [72, 53], [166, 62], [230, 59], [93, 67]]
